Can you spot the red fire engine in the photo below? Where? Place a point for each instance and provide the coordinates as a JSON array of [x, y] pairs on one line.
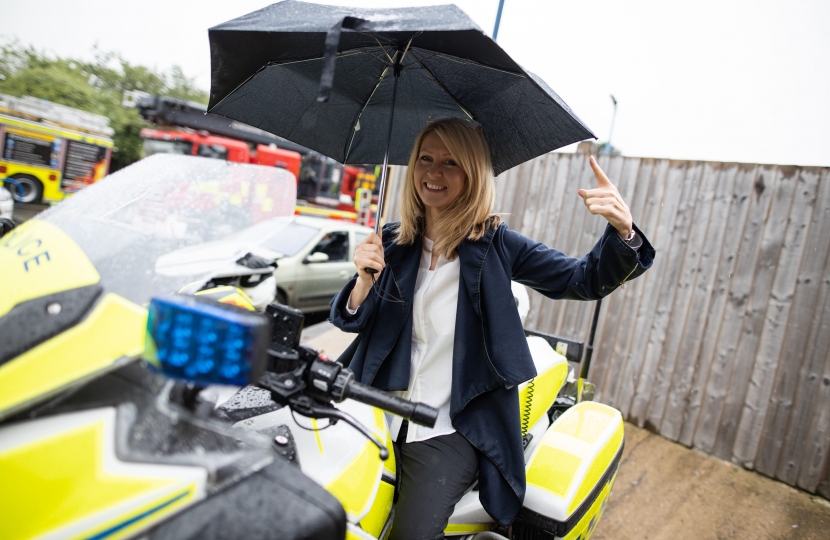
[[324, 187]]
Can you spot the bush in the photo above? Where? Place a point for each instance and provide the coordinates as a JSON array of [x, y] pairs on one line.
[[97, 86]]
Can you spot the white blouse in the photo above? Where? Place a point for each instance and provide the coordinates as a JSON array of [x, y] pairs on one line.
[[433, 333]]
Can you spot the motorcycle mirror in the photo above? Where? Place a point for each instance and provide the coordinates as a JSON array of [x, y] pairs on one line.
[[202, 341]]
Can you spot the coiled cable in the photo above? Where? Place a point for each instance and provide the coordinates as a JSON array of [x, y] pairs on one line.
[[528, 407]]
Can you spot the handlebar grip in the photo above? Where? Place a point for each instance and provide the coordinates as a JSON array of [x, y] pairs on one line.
[[418, 413]]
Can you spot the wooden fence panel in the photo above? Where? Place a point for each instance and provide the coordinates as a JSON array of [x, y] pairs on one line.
[[684, 289], [635, 187], [784, 434], [646, 287], [776, 319], [735, 218], [814, 472], [674, 415], [740, 286], [724, 345], [753, 323], [674, 255]]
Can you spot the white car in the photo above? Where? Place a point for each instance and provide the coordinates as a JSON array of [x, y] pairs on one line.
[[317, 258], [314, 257], [6, 203]]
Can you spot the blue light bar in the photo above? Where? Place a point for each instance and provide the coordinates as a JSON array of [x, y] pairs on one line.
[[205, 342]]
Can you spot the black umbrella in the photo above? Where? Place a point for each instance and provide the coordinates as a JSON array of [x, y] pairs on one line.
[[358, 85]]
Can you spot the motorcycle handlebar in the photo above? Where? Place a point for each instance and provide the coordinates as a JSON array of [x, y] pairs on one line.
[[418, 413]]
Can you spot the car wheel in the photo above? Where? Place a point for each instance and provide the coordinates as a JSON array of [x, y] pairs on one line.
[[30, 186], [282, 298]]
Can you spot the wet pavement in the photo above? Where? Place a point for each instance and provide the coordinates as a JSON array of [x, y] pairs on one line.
[[665, 491]]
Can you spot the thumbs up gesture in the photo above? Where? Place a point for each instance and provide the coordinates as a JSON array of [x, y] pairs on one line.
[[606, 201]]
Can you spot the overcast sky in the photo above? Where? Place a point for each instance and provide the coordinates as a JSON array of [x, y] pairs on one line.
[[740, 80]]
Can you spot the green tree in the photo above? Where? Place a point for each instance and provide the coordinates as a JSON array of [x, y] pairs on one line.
[[95, 86], [603, 148]]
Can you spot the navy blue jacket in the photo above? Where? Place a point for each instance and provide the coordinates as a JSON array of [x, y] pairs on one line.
[[490, 353]]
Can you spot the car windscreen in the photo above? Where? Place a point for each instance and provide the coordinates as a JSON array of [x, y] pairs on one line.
[[290, 239]]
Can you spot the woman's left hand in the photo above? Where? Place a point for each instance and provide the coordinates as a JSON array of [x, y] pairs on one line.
[[607, 202]]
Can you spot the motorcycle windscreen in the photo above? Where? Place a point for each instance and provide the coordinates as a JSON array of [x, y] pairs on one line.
[[133, 224], [78, 276]]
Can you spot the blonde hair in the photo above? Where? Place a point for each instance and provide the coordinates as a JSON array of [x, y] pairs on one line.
[[470, 215]]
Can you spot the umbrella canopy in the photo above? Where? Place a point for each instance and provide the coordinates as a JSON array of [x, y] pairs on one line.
[[329, 78]]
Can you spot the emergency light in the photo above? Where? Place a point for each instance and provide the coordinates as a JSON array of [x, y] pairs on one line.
[[205, 342]]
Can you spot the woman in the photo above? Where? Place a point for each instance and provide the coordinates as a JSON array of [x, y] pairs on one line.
[[440, 326]]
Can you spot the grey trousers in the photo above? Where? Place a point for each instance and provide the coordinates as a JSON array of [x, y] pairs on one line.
[[435, 473]]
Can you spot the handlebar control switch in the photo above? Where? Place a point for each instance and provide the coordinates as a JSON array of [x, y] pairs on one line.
[[341, 383], [321, 376]]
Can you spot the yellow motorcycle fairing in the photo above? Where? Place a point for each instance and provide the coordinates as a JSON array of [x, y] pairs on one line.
[[573, 469], [228, 294], [38, 259], [41, 263], [374, 521], [69, 482]]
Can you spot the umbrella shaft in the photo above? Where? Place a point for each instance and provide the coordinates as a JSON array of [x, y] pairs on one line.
[[383, 172]]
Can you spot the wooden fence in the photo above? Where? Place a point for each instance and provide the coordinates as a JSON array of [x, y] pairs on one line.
[[724, 345]]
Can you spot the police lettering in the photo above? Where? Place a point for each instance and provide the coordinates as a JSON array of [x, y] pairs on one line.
[[36, 259], [26, 246]]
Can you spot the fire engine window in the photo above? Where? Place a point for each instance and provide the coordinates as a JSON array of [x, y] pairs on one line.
[[216, 151], [335, 245], [158, 146]]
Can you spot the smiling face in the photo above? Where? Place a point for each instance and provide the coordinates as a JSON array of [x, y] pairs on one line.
[[439, 179]]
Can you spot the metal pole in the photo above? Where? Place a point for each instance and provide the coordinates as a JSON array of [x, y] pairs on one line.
[[498, 21], [383, 173], [589, 350], [613, 118]]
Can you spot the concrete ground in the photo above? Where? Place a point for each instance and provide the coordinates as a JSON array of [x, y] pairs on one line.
[[665, 491], [25, 212]]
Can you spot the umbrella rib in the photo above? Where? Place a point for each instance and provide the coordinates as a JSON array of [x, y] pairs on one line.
[[357, 120], [477, 64], [377, 85], [383, 49], [240, 85], [340, 54], [444, 89], [408, 44], [278, 64], [378, 58]]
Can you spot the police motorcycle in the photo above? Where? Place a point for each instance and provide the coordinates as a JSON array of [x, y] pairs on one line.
[[95, 443]]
